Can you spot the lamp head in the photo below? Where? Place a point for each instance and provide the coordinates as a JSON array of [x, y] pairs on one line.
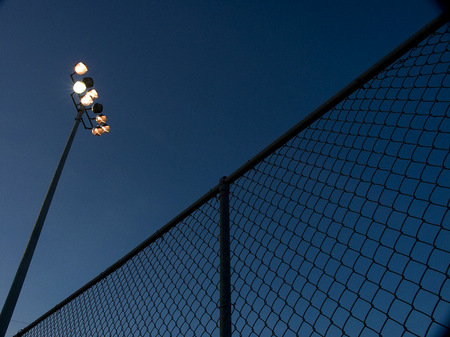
[[79, 87], [93, 93], [88, 81], [86, 100], [97, 130], [97, 108], [106, 128], [100, 119], [80, 68]]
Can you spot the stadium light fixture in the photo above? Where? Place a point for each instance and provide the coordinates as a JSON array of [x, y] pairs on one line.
[[82, 104]]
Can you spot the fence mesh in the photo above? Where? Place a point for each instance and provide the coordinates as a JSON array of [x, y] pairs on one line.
[[170, 288], [343, 231]]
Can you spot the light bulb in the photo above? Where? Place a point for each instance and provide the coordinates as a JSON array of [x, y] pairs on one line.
[[93, 93], [100, 119], [81, 68], [86, 100], [106, 128], [79, 87], [97, 131]]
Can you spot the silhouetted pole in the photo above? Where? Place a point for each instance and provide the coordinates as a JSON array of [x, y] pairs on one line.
[[16, 287], [225, 265]]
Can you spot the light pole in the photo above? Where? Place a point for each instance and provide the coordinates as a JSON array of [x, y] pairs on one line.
[[84, 107]]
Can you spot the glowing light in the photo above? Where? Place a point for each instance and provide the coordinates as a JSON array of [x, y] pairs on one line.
[[97, 131], [93, 93], [81, 68], [100, 119], [106, 128], [86, 100], [79, 87]]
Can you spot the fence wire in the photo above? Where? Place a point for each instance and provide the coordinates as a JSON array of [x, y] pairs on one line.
[[343, 231], [170, 288]]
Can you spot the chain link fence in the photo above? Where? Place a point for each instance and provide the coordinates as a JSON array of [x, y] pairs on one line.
[[171, 287], [342, 230]]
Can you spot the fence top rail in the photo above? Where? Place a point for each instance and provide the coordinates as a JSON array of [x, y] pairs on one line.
[[353, 86]]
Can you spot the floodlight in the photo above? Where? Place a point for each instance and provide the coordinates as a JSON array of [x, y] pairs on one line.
[[81, 68], [79, 87], [100, 119], [93, 93], [106, 128], [88, 81], [86, 100], [97, 131], [97, 108], [87, 110]]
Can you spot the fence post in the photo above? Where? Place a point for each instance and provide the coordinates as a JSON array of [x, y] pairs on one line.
[[225, 266]]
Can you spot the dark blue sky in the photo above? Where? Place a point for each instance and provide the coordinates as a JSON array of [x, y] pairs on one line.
[[192, 90]]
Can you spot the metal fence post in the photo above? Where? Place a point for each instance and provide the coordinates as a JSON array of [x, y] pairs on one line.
[[225, 266]]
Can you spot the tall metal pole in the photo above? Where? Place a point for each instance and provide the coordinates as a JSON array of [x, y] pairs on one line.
[[225, 269], [13, 295]]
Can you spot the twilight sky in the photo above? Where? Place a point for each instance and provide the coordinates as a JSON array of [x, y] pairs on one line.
[[191, 89]]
